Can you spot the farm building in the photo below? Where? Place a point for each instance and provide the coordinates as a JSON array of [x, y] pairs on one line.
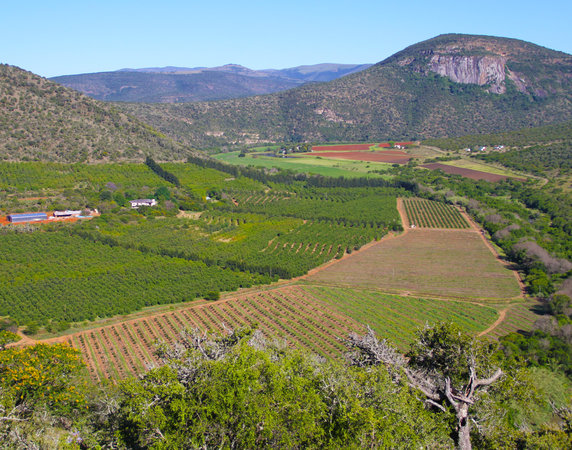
[[142, 202], [67, 213], [26, 217]]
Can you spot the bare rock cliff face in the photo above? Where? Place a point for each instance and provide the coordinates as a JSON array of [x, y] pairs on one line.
[[481, 70]]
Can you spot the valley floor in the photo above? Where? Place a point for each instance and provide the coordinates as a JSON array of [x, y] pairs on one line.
[[395, 285]]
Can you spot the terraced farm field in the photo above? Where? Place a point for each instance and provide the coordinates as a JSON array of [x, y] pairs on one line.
[[127, 348], [423, 213]]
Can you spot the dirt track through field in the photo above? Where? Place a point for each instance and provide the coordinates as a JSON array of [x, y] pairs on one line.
[[501, 318], [476, 229]]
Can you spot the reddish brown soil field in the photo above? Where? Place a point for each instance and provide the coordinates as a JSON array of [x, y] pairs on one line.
[[353, 147], [341, 148], [386, 157], [468, 173], [392, 152]]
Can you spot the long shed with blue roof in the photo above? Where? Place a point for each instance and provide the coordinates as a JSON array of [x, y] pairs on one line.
[[26, 217]]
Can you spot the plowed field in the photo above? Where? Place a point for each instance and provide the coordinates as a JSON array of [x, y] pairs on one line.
[[425, 262], [341, 148], [468, 173], [353, 147]]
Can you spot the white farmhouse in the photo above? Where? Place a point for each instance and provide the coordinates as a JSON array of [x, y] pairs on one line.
[[142, 202]]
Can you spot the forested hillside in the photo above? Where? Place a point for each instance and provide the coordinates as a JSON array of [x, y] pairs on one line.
[[41, 120]]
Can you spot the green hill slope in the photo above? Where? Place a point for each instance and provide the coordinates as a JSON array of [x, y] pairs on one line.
[[451, 85], [41, 120]]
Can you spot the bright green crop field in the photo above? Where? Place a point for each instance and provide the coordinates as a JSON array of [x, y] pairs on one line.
[[308, 163], [397, 317]]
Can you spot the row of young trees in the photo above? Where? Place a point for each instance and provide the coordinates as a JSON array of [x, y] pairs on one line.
[[167, 176], [289, 178], [530, 223], [350, 207], [282, 247]]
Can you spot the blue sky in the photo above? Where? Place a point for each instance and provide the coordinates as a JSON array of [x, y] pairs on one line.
[[68, 37]]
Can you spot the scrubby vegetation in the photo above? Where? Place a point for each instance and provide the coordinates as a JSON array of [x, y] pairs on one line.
[[44, 121], [243, 390], [540, 150]]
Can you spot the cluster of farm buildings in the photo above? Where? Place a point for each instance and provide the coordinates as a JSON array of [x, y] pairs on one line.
[[483, 148], [34, 217], [69, 214], [142, 202]]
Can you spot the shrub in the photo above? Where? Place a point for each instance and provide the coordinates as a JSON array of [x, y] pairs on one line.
[[212, 295]]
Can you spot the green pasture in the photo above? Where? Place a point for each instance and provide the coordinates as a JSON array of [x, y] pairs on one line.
[[307, 163]]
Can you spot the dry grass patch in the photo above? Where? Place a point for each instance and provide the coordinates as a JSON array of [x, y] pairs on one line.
[[436, 263]]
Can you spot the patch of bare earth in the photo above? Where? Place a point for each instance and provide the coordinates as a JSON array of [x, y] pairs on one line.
[[435, 263]]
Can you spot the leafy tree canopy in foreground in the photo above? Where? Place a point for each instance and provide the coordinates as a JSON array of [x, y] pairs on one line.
[[239, 390]]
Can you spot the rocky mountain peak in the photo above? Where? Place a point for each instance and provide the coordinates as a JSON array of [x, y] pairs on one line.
[[487, 61], [481, 70]]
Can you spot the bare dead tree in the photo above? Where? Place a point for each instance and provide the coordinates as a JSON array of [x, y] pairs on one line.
[[368, 350], [194, 345]]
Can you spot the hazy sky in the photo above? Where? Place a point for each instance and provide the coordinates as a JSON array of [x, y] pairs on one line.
[[68, 37]]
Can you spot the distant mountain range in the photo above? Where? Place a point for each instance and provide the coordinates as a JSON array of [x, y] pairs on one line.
[[180, 84], [451, 85]]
